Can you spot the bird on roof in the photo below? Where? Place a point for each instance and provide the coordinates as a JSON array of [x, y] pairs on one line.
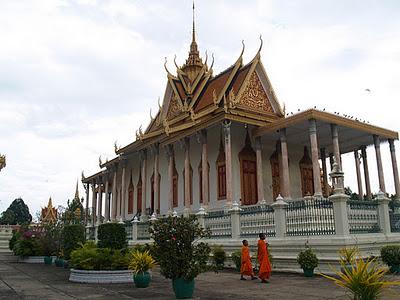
[[367, 90]]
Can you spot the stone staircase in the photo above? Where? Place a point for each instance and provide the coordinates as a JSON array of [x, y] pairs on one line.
[[5, 236]]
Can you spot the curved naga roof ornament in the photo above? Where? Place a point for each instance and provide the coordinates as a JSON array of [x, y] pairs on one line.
[[166, 69], [116, 148]]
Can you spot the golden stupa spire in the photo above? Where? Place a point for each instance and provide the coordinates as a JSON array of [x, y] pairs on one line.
[[76, 191], [194, 63]]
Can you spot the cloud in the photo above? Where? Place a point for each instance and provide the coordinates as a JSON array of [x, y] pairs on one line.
[[78, 75]]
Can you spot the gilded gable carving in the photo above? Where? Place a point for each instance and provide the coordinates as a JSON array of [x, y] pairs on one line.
[[254, 96], [173, 109]]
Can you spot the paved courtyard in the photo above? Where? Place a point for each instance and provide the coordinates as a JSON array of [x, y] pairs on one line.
[[29, 281]]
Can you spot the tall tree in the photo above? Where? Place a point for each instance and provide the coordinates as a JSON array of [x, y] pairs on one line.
[[16, 213]]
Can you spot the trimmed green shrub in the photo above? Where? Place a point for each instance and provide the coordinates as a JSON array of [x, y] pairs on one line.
[[307, 259], [72, 236], [237, 259], [15, 237], [391, 255], [219, 257], [89, 257], [111, 235]]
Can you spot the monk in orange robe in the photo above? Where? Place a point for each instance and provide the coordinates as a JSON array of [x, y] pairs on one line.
[[264, 272], [246, 268]]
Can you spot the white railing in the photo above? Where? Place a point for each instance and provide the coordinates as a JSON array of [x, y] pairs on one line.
[[219, 223], [256, 219], [363, 216]]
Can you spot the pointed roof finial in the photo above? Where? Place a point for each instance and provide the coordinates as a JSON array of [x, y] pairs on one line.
[[76, 190], [194, 29]]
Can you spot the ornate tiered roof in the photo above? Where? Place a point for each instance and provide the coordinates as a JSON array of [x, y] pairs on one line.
[[49, 213]]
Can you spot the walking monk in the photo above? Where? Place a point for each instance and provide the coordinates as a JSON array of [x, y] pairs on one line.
[[246, 268], [265, 266]]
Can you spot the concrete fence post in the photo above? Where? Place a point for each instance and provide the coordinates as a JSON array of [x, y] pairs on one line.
[[200, 217], [279, 215], [235, 220], [135, 222], [383, 213]]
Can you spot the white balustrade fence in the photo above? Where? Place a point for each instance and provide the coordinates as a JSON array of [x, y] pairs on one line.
[[256, 219], [363, 216]]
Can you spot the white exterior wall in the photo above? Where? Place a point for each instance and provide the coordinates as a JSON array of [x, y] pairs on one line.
[[238, 135]]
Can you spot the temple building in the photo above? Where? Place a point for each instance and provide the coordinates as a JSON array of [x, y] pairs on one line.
[[224, 140], [49, 213]]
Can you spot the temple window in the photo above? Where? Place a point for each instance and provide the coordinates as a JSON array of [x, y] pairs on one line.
[[221, 173], [306, 173], [190, 184], [200, 170], [248, 173], [130, 197]]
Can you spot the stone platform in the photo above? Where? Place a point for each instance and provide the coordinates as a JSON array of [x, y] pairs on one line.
[[38, 281]]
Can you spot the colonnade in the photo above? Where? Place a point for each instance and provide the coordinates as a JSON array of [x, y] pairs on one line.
[[116, 200]]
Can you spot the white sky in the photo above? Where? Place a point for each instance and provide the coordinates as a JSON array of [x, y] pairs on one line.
[[77, 75]]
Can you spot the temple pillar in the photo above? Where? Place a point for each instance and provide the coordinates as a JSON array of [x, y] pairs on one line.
[[228, 161], [156, 183], [99, 202], [143, 156], [335, 144], [314, 158], [358, 171], [186, 146], [395, 169], [325, 173], [285, 182], [170, 156], [377, 144], [114, 196], [260, 180], [94, 203], [123, 191], [366, 172], [87, 190], [107, 201], [204, 168]]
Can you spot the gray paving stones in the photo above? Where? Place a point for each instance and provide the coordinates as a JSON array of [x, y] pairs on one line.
[[38, 281]]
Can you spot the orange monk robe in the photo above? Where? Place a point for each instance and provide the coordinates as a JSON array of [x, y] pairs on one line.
[[265, 266], [246, 267]]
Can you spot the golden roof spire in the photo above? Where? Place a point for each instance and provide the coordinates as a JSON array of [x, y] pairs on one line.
[[193, 63], [76, 191]]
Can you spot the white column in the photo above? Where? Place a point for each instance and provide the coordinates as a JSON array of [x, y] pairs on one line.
[[170, 155], [366, 172], [114, 195], [395, 169], [94, 203], [123, 191], [381, 178], [143, 155], [186, 144], [228, 162], [314, 157], [260, 180], [204, 168], [335, 144], [87, 190], [99, 201], [358, 171], [156, 180], [285, 165], [235, 220], [107, 200], [325, 172]]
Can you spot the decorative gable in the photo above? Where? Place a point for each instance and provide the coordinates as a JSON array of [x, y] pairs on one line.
[[254, 97], [173, 108]]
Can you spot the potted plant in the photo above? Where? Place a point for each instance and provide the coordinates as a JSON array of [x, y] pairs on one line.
[[364, 281], [219, 257], [391, 256], [140, 263], [237, 259], [347, 257], [308, 261], [179, 252]]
